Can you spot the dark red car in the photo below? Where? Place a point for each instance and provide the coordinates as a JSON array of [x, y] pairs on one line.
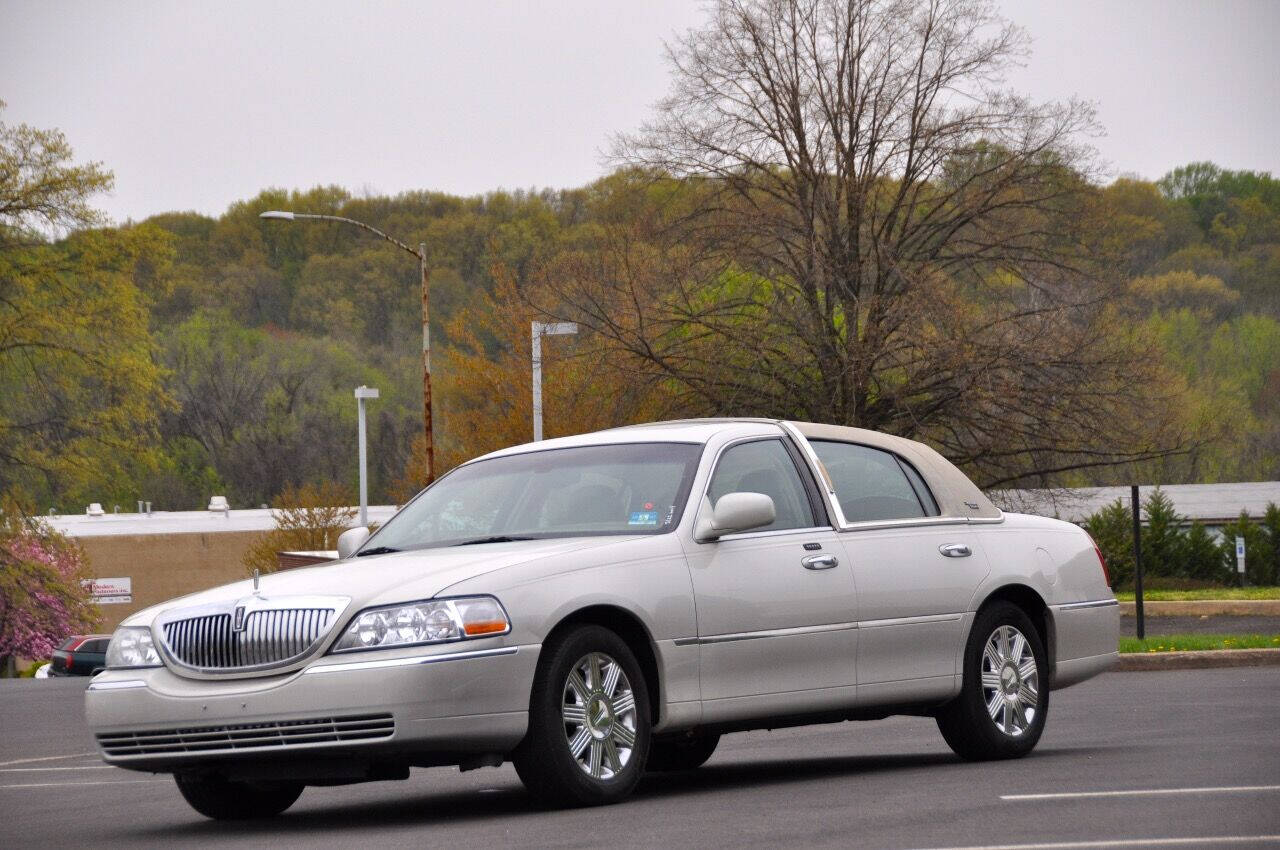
[[80, 655]]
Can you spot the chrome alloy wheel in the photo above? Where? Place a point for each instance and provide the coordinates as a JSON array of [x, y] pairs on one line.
[[599, 710], [1010, 681]]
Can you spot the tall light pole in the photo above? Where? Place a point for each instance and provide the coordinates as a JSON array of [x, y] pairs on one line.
[[421, 254], [362, 393], [538, 331]]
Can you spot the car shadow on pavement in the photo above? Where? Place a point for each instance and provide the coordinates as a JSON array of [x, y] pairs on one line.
[[435, 806]]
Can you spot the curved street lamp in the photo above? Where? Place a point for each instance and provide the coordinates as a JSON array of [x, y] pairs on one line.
[[421, 254]]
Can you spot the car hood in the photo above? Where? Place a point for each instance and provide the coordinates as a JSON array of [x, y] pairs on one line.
[[387, 579]]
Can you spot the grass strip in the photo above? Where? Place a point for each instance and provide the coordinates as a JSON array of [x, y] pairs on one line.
[[1198, 643], [1203, 594]]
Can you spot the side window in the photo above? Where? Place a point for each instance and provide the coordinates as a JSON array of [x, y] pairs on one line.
[[872, 484], [763, 466], [922, 489]]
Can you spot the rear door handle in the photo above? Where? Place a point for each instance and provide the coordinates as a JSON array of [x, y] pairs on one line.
[[955, 550], [819, 562]]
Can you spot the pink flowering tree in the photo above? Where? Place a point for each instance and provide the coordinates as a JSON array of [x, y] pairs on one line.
[[43, 598]]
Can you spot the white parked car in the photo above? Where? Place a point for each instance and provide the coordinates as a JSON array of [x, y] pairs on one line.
[[595, 606]]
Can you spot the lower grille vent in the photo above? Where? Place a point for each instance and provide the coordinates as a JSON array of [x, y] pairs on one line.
[[248, 736]]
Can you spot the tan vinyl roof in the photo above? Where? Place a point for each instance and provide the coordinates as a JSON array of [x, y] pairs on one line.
[[955, 493]]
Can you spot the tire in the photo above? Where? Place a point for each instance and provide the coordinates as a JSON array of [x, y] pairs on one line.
[[223, 799], [589, 724], [1003, 700], [687, 752]]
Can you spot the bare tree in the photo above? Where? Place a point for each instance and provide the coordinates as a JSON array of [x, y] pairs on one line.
[[874, 234]]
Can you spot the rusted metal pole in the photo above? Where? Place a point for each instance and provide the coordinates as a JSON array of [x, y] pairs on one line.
[[426, 363], [421, 254]]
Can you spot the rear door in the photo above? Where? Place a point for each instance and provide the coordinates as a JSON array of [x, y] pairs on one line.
[[915, 569]]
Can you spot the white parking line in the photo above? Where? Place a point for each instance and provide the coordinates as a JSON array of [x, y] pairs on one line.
[[44, 769], [46, 758], [68, 784], [1144, 792], [1198, 841]]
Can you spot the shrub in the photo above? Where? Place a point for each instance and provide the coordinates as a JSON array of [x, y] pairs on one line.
[[1259, 551], [1112, 529], [309, 518], [1184, 554]]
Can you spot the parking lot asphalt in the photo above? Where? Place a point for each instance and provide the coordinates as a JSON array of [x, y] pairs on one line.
[[1176, 759], [1203, 625]]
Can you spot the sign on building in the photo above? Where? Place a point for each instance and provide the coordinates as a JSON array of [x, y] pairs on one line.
[[111, 591]]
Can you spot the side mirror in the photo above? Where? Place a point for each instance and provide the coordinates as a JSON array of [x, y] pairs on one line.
[[351, 540], [734, 512]]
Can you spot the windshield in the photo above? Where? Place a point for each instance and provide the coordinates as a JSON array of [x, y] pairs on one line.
[[634, 488]]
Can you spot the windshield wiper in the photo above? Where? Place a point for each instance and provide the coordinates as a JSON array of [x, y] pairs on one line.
[[497, 538], [376, 550]]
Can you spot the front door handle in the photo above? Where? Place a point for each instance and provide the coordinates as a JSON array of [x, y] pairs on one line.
[[955, 550], [819, 562]]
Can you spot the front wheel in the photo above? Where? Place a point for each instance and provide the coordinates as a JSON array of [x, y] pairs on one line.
[[224, 799], [1004, 698], [589, 721]]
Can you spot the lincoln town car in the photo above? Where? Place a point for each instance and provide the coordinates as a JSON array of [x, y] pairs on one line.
[[593, 607]]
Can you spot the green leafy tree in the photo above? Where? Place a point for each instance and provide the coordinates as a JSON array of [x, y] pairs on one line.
[[79, 387], [40, 190]]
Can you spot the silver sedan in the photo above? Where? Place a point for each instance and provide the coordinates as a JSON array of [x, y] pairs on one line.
[[596, 606]]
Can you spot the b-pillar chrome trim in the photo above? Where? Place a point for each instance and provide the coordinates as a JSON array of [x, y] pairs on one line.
[[803, 444]]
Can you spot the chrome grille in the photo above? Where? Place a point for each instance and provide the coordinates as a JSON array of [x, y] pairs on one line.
[[268, 637], [248, 736]]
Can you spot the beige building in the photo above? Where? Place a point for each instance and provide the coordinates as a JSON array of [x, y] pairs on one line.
[[139, 560]]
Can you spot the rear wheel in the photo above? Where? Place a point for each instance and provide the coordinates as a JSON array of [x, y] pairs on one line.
[[683, 753], [224, 799], [1000, 712], [589, 721]]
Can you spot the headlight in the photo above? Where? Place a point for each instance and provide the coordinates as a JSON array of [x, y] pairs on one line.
[[432, 621], [131, 646]]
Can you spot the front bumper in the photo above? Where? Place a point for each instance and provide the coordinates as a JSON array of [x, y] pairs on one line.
[[414, 706]]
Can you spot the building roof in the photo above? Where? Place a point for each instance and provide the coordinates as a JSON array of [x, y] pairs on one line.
[[1211, 504], [180, 522]]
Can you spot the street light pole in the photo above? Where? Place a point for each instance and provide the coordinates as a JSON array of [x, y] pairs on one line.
[[362, 393], [538, 331], [421, 254]]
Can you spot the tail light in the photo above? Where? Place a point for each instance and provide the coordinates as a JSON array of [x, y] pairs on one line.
[[71, 656], [1102, 562]]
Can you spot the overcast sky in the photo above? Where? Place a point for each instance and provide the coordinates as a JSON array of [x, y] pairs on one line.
[[197, 105]]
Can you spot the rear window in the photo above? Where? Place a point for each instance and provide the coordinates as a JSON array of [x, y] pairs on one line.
[[872, 484]]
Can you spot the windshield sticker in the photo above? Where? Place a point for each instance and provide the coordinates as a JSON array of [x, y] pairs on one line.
[[643, 518]]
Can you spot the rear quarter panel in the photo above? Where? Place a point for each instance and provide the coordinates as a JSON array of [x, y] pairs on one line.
[[1057, 560]]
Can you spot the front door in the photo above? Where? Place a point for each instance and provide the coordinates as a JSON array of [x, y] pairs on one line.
[[775, 605]]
